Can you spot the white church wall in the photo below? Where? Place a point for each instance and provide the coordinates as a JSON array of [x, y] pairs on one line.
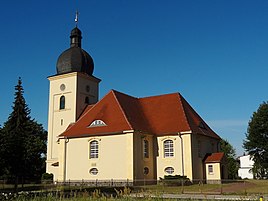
[[176, 161], [115, 160], [59, 119]]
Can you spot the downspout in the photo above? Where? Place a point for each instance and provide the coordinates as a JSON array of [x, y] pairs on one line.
[[66, 140], [182, 155]]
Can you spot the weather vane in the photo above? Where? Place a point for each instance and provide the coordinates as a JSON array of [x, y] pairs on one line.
[[76, 18]]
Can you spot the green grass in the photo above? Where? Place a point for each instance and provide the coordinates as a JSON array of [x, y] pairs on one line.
[[80, 193], [91, 199], [243, 187]]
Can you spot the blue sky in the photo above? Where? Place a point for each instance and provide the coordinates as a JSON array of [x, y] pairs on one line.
[[213, 52]]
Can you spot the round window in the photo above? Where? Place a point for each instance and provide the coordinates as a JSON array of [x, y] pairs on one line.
[[62, 87], [169, 170], [145, 171], [93, 171]]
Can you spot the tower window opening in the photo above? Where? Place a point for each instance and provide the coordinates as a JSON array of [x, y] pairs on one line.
[[61, 122], [62, 102], [87, 100]]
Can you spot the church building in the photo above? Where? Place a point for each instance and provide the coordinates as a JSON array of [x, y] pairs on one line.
[[122, 137]]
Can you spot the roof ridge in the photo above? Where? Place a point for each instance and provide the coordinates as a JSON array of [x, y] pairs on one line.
[[175, 93], [181, 99], [120, 107], [200, 119]]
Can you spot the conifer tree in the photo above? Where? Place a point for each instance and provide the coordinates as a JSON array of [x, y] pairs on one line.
[[24, 141], [2, 161], [256, 142]]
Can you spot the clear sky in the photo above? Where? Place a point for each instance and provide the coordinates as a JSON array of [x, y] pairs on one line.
[[214, 52]]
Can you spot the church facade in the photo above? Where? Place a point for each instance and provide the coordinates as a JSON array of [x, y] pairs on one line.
[[121, 137]]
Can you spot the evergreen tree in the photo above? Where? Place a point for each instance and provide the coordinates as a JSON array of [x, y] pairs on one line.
[[229, 152], [256, 141], [24, 141], [2, 161]]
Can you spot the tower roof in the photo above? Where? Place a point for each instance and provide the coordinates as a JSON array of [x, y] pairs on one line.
[[75, 59]]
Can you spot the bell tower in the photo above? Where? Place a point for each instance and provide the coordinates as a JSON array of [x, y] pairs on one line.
[[71, 90]]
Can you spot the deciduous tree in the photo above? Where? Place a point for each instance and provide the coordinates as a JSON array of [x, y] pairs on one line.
[[256, 140], [229, 152]]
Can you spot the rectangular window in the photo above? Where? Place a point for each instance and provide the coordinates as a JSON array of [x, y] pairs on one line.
[[210, 169]]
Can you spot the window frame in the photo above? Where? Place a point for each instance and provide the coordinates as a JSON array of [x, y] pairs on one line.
[[93, 149], [210, 169], [97, 123], [93, 171], [146, 148], [169, 170], [62, 102], [146, 171], [168, 146]]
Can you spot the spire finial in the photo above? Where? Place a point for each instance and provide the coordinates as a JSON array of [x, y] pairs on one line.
[[76, 18]]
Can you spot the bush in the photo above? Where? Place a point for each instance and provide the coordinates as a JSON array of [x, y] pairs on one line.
[[176, 180], [47, 178]]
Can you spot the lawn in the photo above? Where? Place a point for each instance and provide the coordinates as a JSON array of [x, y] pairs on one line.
[[241, 187], [80, 193]]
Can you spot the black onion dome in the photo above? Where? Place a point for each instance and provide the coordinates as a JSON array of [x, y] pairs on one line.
[[75, 59]]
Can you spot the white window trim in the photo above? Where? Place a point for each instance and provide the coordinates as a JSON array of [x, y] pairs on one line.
[[168, 148], [210, 169], [167, 169], [93, 171], [97, 123], [94, 151]]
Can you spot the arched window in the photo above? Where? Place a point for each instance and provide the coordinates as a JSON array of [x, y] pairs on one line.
[[86, 100], [168, 148], [94, 149], [145, 149], [62, 102]]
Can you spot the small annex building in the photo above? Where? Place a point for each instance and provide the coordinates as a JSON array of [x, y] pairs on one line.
[[215, 167], [121, 137]]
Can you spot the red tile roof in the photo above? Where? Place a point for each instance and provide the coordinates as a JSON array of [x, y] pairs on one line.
[[214, 157], [158, 115]]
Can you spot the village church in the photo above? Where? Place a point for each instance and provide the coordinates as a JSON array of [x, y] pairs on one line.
[[122, 137]]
